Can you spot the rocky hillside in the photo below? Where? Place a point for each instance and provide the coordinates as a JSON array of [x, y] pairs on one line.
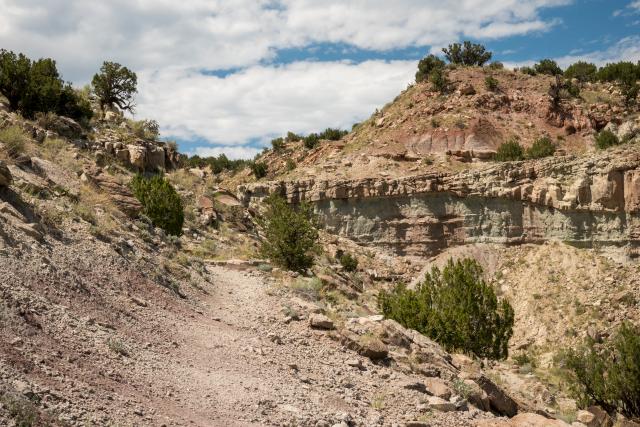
[[109, 320], [423, 130]]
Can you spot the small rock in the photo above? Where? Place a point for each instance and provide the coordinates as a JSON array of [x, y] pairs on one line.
[[440, 404], [585, 417], [373, 348], [437, 387], [138, 301], [321, 321], [355, 363]]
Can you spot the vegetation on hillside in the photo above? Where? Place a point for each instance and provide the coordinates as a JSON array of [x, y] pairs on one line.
[[160, 201], [216, 163], [542, 147], [115, 85], [547, 66], [427, 65], [608, 374], [606, 139], [36, 86], [290, 234], [348, 262], [467, 53], [455, 307], [509, 151]]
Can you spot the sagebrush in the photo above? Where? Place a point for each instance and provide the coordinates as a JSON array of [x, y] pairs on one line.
[[455, 307], [160, 202], [290, 234], [609, 374], [509, 151]]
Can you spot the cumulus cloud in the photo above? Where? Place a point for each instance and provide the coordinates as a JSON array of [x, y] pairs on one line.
[[216, 34], [170, 43], [626, 49], [266, 101]]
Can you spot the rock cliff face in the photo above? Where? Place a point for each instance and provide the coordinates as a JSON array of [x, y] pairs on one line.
[[585, 201]]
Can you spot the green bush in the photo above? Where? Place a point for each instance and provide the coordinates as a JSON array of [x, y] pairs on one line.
[[496, 65], [311, 140], [626, 74], [467, 54], [217, 164], [456, 308], [14, 140], [115, 85], [332, 134], [548, 66], [438, 80], [349, 262], [491, 83], [277, 144], [542, 147], [509, 151], [36, 86], [623, 71], [528, 70], [426, 66], [609, 375], [259, 169], [583, 71], [290, 234], [291, 164], [606, 139], [145, 129], [292, 137], [630, 92], [160, 202]]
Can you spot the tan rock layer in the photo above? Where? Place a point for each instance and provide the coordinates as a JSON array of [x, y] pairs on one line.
[[608, 182], [584, 201]]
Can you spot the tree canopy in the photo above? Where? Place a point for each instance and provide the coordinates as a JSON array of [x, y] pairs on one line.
[[115, 85]]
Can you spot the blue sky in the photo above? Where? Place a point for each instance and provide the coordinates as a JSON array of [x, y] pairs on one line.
[[227, 76]]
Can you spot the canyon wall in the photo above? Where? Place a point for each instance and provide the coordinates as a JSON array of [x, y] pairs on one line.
[[587, 201]]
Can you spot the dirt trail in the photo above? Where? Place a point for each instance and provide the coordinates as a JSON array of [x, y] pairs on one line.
[[239, 364]]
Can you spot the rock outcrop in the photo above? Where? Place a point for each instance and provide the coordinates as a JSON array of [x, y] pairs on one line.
[[5, 175], [137, 153], [582, 201], [119, 194]]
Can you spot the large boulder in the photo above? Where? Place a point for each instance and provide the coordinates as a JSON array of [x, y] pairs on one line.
[[5, 175], [320, 321], [137, 156], [500, 401], [155, 158]]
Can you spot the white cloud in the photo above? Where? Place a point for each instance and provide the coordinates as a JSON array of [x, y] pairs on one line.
[[170, 42], [626, 49], [265, 101], [232, 152], [215, 34]]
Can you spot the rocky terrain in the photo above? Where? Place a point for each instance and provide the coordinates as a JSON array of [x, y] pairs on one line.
[[107, 320], [582, 201], [423, 131]]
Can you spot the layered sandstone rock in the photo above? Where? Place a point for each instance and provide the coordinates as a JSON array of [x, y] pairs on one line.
[[583, 201], [138, 154]]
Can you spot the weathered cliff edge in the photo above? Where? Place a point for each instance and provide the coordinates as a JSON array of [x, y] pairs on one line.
[[586, 201]]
